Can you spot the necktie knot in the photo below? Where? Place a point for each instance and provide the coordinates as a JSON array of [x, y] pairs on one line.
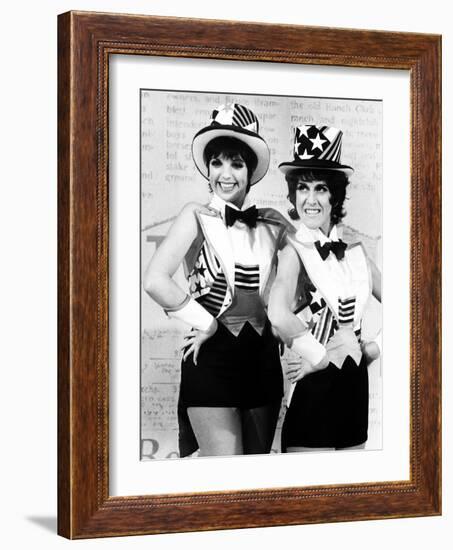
[[336, 247], [248, 216]]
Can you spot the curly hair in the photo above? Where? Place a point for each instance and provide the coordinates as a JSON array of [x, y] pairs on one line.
[[230, 147], [335, 180]]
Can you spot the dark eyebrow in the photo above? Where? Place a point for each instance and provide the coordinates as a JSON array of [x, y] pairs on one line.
[[321, 185]]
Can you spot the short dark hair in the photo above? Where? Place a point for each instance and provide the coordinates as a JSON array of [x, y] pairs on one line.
[[231, 147], [336, 182]]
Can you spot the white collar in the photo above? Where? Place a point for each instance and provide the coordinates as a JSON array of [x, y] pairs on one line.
[[306, 235], [219, 204]]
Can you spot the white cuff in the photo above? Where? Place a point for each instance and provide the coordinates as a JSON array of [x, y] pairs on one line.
[[192, 313], [309, 348]]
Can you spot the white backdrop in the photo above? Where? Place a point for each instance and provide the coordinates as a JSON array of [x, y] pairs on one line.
[[28, 290]]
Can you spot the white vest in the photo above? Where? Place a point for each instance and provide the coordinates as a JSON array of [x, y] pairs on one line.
[[350, 278], [268, 237]]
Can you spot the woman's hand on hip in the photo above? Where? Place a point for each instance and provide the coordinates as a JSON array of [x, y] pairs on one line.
[[194, 340], [296, 370]]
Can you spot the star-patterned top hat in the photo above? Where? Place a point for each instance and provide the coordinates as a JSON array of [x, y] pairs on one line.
[[236, 121], [316, 148]]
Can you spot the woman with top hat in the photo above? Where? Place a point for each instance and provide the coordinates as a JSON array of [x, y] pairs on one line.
[[318, 300], [231, 378]]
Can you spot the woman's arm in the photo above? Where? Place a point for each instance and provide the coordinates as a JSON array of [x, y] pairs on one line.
[[282, 296], [295, 333], [286, 324], [371, 348], [375, 280], [158, 280], [159, 283]]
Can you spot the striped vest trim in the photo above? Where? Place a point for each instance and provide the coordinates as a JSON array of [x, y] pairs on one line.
[[211, 254], [347, 310]]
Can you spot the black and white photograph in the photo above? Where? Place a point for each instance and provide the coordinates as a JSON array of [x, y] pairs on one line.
[[261, 258], [225, 304]]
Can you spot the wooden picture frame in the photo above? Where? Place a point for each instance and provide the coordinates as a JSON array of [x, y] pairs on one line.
[[85, 41]]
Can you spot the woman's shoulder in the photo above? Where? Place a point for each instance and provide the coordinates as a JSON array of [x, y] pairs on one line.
[[351, 236], [186, 222], [288, 255], [270, 215], [358, 241], [192, 209]]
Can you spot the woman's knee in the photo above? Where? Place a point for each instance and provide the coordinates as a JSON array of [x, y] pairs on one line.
[[217, 429]]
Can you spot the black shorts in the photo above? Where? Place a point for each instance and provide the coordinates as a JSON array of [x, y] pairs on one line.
[[329, 408], [243, 372]]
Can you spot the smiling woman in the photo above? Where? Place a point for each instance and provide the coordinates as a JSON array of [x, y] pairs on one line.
[[228, 176], [230, 163], [231, 377]]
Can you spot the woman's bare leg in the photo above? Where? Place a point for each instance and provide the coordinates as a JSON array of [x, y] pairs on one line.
[[217, 429]]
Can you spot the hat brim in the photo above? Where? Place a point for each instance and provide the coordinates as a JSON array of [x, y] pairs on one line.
[[315, 164], [253, 140]]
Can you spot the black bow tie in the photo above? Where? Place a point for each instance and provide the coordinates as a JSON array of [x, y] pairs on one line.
[[248, 216], [337, 247]]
